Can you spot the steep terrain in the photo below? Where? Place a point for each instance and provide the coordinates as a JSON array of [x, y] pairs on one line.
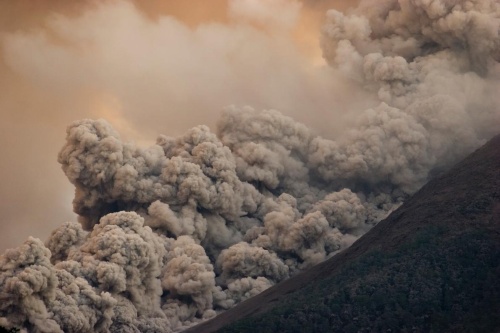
[[432, 265]]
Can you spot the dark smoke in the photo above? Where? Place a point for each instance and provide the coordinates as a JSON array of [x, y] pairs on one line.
[[176, 232]]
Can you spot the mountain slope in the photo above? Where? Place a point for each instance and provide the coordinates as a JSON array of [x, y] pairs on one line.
[[433, 265]]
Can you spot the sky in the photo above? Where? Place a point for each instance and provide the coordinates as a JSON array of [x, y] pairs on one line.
[[149, 68]]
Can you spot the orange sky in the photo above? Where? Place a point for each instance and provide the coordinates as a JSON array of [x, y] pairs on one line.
[[32, 14]]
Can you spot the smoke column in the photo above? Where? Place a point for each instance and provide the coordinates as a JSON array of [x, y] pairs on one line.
[[173, 233]]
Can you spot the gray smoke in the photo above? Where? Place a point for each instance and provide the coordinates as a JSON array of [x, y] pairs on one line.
[[175, 233]]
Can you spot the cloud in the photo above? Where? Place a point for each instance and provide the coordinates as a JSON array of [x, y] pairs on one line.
[[173, 232], [149, 68]]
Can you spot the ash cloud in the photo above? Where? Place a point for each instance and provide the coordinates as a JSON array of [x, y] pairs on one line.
[[149, 67], [174, 233]]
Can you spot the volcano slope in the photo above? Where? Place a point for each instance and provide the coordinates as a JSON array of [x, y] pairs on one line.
[[431, 266]]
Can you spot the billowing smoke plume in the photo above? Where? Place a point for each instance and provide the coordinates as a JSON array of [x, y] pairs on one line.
[[174, 233]]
